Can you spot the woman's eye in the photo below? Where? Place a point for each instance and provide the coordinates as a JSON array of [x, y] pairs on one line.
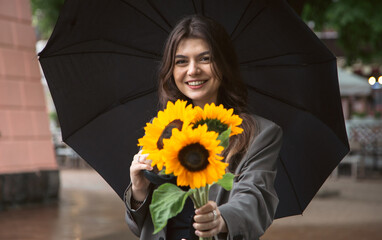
[[205, 59], [180, 61]]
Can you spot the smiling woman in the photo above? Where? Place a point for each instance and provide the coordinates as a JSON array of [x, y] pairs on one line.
[[200, 66]]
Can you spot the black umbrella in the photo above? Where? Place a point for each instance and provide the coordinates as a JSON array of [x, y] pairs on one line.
[[101, 61]]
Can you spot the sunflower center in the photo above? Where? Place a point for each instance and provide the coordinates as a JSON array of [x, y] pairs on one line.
[[213, 125], [194, 157], [166, 133]]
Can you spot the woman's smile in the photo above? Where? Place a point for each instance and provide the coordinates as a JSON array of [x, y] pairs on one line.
[[194, 84]]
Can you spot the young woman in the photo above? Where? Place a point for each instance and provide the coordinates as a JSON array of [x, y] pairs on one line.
[[200, 65]]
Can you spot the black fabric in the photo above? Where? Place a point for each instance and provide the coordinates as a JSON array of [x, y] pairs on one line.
[[101, 63], [180, 226]]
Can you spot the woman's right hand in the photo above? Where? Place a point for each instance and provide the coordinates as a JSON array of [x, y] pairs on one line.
[[139, 183]]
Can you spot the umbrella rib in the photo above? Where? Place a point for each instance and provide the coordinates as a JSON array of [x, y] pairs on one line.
[[141, 94], [159, 13], [138, 49], [241, 18], [248, 23], [155, 56], [146, 16], [202, 5], [70, 54], [291, 182], [90, 40], [193, 5]]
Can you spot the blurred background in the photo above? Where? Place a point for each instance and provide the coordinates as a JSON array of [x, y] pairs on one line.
[[48, 192]]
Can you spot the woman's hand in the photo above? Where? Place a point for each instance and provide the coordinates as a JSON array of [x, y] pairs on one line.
[[139, 183], [208, 221]]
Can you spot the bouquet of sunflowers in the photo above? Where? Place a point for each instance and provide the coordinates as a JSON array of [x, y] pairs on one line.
[[187, 142]]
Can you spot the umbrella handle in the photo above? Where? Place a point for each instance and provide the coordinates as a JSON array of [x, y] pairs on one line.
[[158, 179]]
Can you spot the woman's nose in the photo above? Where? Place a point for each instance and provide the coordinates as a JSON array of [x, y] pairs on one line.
[[193, 69]]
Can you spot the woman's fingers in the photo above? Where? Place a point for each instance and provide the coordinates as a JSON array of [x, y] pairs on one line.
[[206, 234], [139, 163], [208, 220], [206, 226], [208, 207], [207, 213], [141, 158], [207, 217], [135, 169]]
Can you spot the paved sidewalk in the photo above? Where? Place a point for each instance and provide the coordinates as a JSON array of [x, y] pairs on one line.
[[343, 209], [88, 209]]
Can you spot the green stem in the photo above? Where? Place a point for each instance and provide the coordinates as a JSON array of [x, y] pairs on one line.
[[207, 191], [196, 196], [192, 196]]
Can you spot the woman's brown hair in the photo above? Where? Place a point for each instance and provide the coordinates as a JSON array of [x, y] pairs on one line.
[[232, 91]]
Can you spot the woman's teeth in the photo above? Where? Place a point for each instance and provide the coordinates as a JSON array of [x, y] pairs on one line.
[[196, 83]]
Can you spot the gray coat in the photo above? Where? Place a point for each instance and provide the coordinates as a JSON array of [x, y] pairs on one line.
[[248, 209]]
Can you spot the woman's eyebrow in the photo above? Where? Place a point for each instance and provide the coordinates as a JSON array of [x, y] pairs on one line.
[[180, 56], [200, 54], [203, 53]]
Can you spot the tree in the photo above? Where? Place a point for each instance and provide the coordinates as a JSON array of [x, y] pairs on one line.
[[45, 14], [358, 24]]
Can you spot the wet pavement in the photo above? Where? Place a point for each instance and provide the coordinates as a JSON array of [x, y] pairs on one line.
[[344, 209], [88, 209]]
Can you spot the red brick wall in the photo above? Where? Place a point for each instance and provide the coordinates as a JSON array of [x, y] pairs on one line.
[[25, 139]]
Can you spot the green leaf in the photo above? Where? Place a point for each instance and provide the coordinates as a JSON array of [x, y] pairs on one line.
[[224, 138], [168, 200], [212, 124], [227, 181]]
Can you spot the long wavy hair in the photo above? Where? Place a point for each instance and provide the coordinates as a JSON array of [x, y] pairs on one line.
[[232, 92]]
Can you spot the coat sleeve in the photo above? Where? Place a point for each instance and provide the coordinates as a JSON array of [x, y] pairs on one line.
[[252, 201], [135, 217]]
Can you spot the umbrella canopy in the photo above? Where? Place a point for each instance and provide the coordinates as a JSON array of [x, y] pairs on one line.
[[101, 60], [352, 84]]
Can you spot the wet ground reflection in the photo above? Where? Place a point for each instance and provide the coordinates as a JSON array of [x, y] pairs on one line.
[[87, 209]]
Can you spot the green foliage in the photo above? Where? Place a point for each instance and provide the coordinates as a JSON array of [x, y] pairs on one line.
[[227, 181], [358, 23], [224, 138], [53, 117], [45, 14], [359, 114], [168, 200], [213, 125], [315, 10]]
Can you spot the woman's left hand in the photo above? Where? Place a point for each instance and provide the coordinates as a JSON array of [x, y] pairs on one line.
[[208, 220]]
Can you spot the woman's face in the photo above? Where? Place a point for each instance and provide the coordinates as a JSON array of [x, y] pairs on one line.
[[193, 71]]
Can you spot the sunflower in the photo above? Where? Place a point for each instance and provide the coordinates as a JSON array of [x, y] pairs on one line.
[[193, 156], [175, 116], [218, 119]]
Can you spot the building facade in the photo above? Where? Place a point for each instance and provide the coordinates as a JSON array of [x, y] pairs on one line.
[[28, 169]]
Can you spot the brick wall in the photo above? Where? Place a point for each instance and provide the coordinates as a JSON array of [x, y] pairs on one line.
[[25, 138]]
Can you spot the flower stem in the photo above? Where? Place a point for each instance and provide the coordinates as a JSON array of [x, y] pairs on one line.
[[200, 198]]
